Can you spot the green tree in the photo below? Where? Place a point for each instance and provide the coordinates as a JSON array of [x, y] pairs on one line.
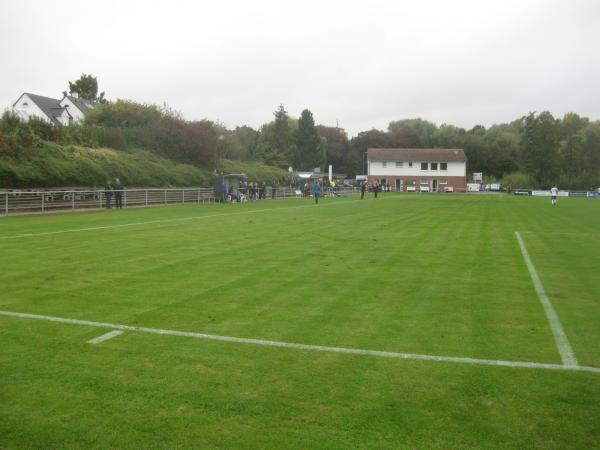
[[422, 128], [309, 151], [572, 160], [449, 136], [591, 155], [243, 143], [275, 145], [336, 145], [86, 87], [503, 152], [571, 124], [283, 135], [539, 147]]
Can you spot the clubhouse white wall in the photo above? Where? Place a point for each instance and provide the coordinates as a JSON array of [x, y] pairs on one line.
[[455, 169]]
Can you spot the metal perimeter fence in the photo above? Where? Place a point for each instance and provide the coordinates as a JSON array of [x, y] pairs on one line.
[[16, 202]]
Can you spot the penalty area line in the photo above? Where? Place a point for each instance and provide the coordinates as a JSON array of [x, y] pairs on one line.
[[106, 337], [319, 348], [562, 342]]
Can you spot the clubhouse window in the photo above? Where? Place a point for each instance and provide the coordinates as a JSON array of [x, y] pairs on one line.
[[433, 166], [410, 164], [399, 164], [443, 166], [443, 181], [424, 166], [384, 164]]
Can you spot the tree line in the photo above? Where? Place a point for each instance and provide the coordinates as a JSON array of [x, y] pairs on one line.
[[536, 150]]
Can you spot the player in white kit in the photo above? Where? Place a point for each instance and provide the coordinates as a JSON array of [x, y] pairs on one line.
[[554, 195]]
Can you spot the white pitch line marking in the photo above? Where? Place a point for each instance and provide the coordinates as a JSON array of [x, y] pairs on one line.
[[319, 348], [106, 337], [178, 219], [562, 342]]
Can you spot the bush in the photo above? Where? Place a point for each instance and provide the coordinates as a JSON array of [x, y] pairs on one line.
[[516, 180], [255, 171]]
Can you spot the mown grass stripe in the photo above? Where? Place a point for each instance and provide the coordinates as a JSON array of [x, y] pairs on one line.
[[178, 219]]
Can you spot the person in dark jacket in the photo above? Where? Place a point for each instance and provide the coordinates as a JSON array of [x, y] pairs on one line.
[[363, 188], [108, 192], [118, 193]]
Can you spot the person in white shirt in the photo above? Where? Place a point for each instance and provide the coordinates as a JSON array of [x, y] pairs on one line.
[[554, 195]]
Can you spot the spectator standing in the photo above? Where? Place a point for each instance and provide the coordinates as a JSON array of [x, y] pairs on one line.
[[363, 188], [333, 188], [108, 192], [223, 189], [273, 190], [262, 188], [118, 193], [316, 191]]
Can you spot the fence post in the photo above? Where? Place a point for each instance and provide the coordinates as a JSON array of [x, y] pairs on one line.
[[124, 192], [146, 197], [183, 191], [73, 201], [165, 196], [43, 199], [100, 198]]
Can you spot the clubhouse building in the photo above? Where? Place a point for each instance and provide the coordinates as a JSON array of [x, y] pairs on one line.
[[418, 169]]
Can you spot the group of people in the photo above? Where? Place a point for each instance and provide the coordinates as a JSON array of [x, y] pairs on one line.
[[117, 190], [325, 187], [375, 187], [245, 191]]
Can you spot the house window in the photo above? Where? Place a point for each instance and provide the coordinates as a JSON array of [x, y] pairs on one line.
[[410, 182], [423, 166], [410, 164], [425, 182], [384, 163], [433, 166], [443, 181], [443, 166], [399, 164]]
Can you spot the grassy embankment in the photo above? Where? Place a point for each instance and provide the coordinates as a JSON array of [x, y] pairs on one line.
[[53, 165]]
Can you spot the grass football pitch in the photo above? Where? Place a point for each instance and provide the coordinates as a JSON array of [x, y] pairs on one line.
[[417, 320]]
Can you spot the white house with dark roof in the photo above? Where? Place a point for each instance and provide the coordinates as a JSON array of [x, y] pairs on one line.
[[77, 107], [68, 110], [418, 169]]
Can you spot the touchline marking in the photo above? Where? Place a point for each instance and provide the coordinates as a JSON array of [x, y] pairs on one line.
[[318, 348], [106, 337], [179, 219], [562, 342]]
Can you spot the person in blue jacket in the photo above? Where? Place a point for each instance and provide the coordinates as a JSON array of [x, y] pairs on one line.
[[316, 191]]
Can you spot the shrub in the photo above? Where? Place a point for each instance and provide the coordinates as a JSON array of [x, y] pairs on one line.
[[516, 180]]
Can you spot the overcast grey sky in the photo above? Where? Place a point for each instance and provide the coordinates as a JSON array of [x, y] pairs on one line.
[[362, 63]]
